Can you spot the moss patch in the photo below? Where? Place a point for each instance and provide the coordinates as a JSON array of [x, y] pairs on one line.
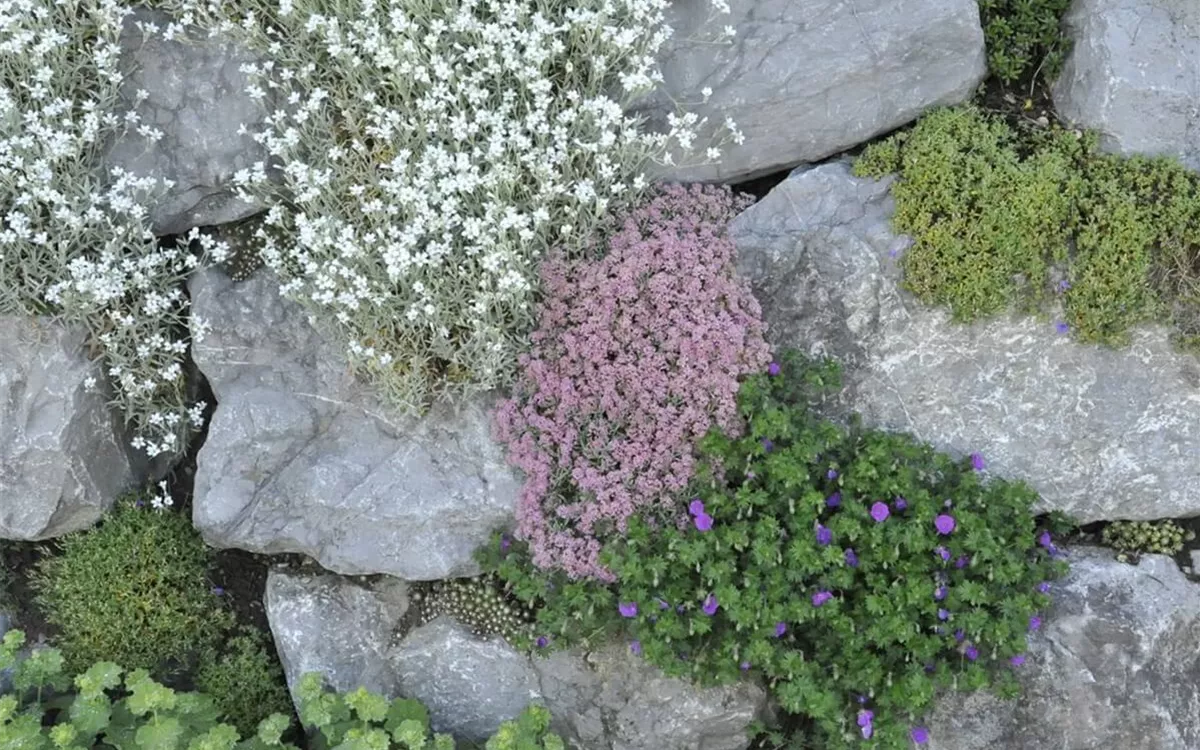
[[1029, 219]]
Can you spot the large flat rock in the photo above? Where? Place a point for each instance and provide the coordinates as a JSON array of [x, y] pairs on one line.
[[805, 79], [1133, 74], [1115, 667], [301, 457], [62, 456], [1102, 434]]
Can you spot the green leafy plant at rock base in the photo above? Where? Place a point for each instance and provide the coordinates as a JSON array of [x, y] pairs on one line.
[[105, 706], [1004, 220], [1024, 37], [134, 589], [857, 572]]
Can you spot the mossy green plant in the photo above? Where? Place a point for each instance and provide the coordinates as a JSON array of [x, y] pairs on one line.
[[1040, 220], [133, 589], [1024, 37], [245, 680]]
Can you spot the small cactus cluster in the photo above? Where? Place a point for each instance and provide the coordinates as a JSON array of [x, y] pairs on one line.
[[245, 246], [1133, 538], [479, 603]]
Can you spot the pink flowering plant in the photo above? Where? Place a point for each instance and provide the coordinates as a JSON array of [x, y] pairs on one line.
[[639, 353], [857, 572]]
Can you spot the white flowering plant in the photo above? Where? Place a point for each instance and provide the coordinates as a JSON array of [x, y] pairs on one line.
[[425, 154], [75, 243]]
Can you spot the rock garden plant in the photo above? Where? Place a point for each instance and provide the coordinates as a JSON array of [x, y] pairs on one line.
[[856, 572], [1040, 219], [75, 242], [638, 353], [1132, 539], [428, 154]]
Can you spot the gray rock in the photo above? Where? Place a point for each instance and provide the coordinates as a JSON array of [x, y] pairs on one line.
[[332, 625], [62, 462], [1134, 75], [1101, 434], [1115, 666], [300, 457], [805, 79], [197, 99], [605, 700]]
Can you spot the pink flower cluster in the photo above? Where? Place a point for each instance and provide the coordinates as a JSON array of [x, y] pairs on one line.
[[636, 356]]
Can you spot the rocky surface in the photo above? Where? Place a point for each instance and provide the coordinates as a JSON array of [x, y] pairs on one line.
[[1102, 434], [197, 100], [62, 462], [1134, 75], [301, 457], [804, 79], [1115, 666], [606, 700]]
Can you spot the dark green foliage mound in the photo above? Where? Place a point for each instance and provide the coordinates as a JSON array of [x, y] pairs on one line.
[[857, 571], [245, 680], [134, 590], [1036, 220]]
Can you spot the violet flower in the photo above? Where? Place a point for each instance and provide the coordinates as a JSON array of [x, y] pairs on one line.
[[1017, 660], [972, 653], [821, 597], [833, 500], [696, 507], [919, 735], [831, 474], [851, 558], [942, 552], [880, 512], [773, 369], [780, 629], [824, 535], [635, 647], [628, 609], [940, 593], [944, 523], [977, 462], [899, 504], [943, 615], [1035, 622], [542, 641], [962, 562], [704, 522], [710, 605]]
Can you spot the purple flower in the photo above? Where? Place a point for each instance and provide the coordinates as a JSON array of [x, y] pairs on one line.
[[636, 647], [977, 462], [831, 474], [704, 522], [1043, 587], [972, 653], [943, 615], [862, 699], [710, 605], [899, 504], [930, 667], [773, 369], [824, 535], [880, 512], [1064, 285], [851, 558], [542, 641], [628, 609], [865, 716], [218, 591], [780, 629], [939, 593], [745, 666], [959, 635], [1017, 660], [1044, 540], [944, 523], [680, 608], [750, 474], [139, 504], [1035, 622], [821, 597], [663, 604], [962, 562], [834, 500], [919, 735], [942, 552], [696, 507], [767, 445], [505, 542], [1062, 327]]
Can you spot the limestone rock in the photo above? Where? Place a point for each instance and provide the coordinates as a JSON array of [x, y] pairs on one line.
[[301, 457], [1133, 74], [805, 79], [1102, 434], [606, 700], [197, 99], [62, 459], [1115, 666]]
